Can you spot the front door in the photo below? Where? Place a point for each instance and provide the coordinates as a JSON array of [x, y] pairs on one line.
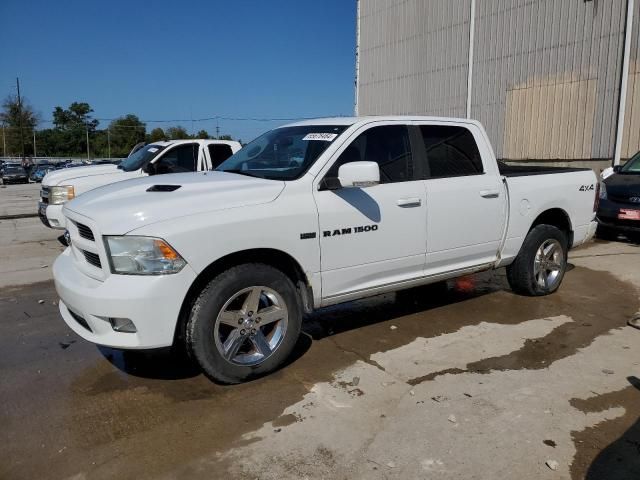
[[374, 236]]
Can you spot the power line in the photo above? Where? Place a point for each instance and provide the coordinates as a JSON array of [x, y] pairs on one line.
[[219, 117]]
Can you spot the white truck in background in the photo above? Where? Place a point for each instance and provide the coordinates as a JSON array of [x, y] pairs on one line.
[[308, 215], [174, 156]]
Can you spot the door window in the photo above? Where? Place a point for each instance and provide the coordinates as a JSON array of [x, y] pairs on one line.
[[389, 146], [451, 151], [219, 153], [183, 158]]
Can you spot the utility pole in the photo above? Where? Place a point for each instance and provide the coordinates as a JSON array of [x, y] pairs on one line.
[[217, 130], [109, 141], [20, 117], [87, 130], [4, 143], [35, 152]]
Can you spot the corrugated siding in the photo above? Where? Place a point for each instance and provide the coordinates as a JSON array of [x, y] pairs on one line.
[[631, 139], [413, 57], [550, 75], [546, 72]]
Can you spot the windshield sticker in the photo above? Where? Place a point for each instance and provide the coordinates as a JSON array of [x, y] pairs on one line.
[[325, 137], [153, 150]]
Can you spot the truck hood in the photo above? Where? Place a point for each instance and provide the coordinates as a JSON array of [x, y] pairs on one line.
[[124, 206], [59, 177], [623, 184]]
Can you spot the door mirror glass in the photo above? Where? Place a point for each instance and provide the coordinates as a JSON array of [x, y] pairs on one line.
[[616, 168], [149, 169], [359, 174]]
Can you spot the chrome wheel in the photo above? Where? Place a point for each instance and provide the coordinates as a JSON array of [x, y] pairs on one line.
[[251, 326], [548, 264]]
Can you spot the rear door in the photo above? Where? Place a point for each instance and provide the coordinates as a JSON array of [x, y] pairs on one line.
[[375, 236], [466, 200]]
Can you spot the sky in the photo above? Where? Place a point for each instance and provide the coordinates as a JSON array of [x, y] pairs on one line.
[[187, 60]]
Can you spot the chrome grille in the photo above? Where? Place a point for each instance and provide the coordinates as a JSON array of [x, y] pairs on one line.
[[621, 199], [92, 258], [44, 194], [85, 232]]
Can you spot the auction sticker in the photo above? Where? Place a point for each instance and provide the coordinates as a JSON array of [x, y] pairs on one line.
[[325, 137], [629, 214]]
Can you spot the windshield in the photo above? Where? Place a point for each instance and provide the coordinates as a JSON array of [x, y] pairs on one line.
[[284, 153], [633, 165], [140, 158], [14, 169]]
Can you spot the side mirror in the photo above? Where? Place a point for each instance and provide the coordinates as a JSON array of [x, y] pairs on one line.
[[616, 168], [359, 174], [149, 169]]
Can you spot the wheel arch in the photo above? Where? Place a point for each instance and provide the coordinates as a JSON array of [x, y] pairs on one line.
[[556, 217], [268, 256]]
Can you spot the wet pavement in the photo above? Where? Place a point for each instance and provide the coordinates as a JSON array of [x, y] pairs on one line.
[[467, 381]]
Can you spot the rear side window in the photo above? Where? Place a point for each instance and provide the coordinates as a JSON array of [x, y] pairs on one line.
[[388, 146], [219, 153], [451, 151]]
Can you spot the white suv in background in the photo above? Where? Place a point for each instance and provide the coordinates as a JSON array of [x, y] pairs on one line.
[[175, 156]]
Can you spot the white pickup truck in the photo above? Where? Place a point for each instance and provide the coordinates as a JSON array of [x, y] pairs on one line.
[[308, 215], [173, 156]]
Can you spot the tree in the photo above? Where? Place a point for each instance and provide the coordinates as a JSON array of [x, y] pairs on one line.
[[71, 126], [156, 135], [225, 137], [202, 134], [177, 133], [14, 122], [125, 132], [78, 114]]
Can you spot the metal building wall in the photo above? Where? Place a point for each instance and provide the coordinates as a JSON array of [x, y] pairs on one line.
[[631, 138], [413, 57], [546, 76]]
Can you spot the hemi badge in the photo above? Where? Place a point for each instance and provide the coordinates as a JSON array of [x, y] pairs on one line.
[[306, 236]]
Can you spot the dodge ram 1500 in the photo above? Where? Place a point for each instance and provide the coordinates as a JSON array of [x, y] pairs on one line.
[[308, 215]]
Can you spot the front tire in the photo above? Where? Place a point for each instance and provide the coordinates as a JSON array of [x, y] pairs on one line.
[[541, 263], [245, 323]]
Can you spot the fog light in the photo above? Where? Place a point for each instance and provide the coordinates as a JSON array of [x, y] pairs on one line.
[[123, 325], [54, 222]]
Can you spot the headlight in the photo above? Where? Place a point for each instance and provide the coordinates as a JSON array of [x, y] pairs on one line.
[[603, 191], [61, 194], [129, 255]]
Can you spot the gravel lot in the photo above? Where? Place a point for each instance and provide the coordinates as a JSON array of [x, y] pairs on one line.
[[475, 382]]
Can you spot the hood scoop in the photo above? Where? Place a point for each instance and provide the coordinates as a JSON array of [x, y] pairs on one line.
[[163, 188]]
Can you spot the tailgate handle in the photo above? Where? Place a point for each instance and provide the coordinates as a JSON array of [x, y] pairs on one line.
[[489, 193], [409, 202]]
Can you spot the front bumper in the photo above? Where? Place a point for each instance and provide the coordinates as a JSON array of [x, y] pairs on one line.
[[152, 303], [608, 216], [51, 215]]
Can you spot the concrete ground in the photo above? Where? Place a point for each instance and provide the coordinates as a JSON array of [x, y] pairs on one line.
[[472, 382], [19, 199]]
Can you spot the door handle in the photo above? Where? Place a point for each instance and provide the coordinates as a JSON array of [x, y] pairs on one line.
[[489, 193], [409, 202]]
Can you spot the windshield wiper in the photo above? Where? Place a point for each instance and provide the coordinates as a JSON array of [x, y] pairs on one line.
[[241, 172]]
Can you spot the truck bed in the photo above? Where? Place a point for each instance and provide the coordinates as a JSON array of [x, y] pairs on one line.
[[527, 170]]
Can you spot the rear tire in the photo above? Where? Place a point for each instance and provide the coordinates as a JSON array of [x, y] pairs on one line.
[[244, 324], [541, 263]]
